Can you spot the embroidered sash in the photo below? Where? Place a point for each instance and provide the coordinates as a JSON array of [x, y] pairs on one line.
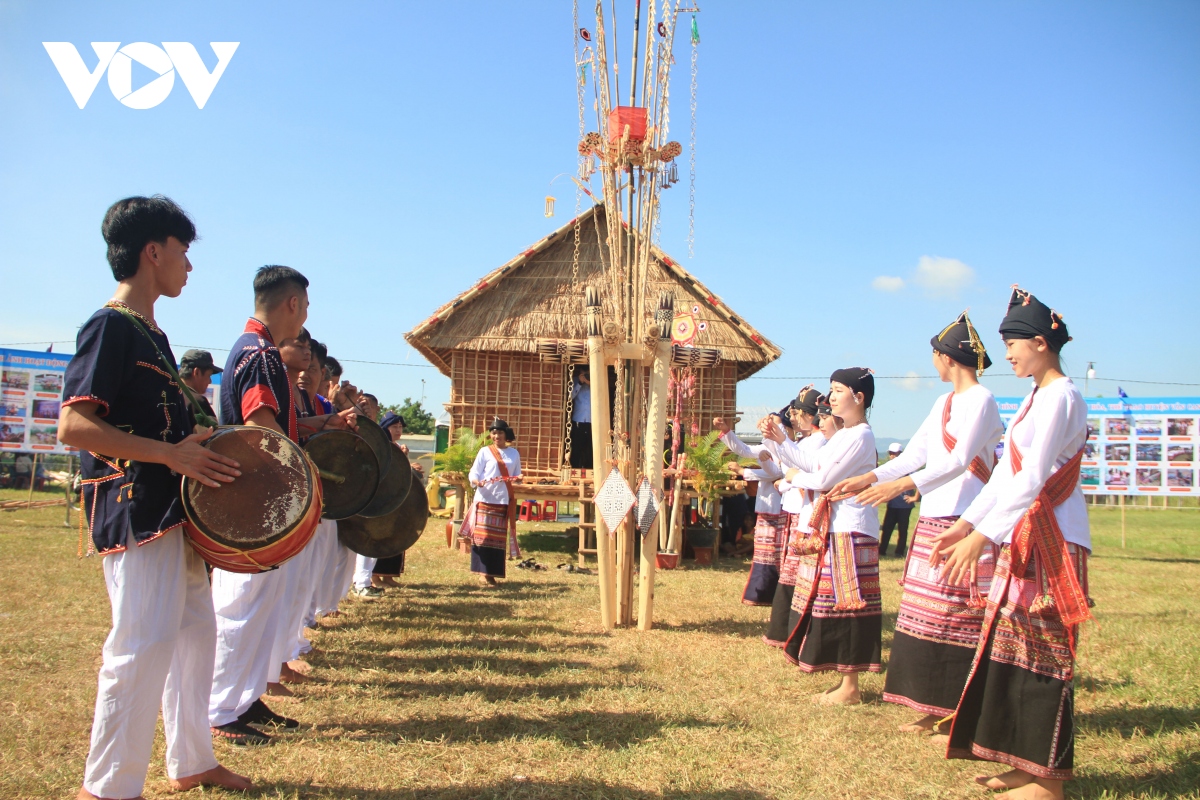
[[514, 550], [978, 467], [846, 591]]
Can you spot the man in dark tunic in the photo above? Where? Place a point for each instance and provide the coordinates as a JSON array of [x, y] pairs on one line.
[[125, 411]]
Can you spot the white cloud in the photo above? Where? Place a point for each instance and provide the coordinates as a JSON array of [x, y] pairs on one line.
[[887, 283], [911, 382], [943, 277]]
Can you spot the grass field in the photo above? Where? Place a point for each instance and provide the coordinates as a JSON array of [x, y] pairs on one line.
[[443, 690]]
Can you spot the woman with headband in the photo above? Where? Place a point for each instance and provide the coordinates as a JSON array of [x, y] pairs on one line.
[[1017, 706], [948, 460], [837, 615]]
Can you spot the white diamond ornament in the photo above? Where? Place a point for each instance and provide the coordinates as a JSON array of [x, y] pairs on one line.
[[614, 500], [647, 506]]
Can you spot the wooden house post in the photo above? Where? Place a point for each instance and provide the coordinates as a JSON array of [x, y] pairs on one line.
[[656, 429], [606, 565]]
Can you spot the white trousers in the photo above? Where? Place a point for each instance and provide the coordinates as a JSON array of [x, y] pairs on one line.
[[363, 567], [247, 609], [326, 565], [345, 575], [159, 652], [293, 603]]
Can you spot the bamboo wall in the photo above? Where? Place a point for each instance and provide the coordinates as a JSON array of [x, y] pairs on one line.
[[519, 388], [531, 395]]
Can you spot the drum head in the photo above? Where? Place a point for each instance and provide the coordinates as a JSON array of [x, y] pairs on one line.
[[379, 440], [393, 487], [269, 499], [387, 536], [349, 471]]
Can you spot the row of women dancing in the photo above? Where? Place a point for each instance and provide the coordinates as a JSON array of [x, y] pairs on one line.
[[995, 582]]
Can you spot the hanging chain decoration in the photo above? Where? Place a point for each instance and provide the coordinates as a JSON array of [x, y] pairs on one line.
[[692, 154]]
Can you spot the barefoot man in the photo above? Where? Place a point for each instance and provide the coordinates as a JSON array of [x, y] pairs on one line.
[[125, 412]]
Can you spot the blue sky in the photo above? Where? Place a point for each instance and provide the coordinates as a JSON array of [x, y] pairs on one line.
[[395, 152]]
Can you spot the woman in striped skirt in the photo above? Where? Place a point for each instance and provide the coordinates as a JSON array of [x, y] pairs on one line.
[[837, 613], [948, 460], [491, 523], [770, 525], [1017, 708]]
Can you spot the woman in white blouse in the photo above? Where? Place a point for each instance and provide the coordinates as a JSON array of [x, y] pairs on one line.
[[1017, 706], [491, 523], [837, 616], [948, 460]]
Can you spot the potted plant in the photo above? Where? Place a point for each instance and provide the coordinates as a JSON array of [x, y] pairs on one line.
[[706, 464], [452, 466]]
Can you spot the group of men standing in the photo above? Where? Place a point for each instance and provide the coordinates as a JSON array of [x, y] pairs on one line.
[[205, 648]]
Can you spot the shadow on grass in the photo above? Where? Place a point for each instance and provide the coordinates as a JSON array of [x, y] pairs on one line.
[[580, 789], [747, 629], [1177, 779], [492, 693], [611, 730], [1155, 559], [1144, 720], [394, 660]]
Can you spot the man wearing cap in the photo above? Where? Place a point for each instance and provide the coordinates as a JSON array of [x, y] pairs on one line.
[[899, 511], [197, 368]]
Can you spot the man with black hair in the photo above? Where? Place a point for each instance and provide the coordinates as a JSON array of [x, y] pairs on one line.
[[128, 416], [257, 391]]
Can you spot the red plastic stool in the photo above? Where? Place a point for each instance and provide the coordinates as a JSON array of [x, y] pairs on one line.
[[529, 511], [550, 511]]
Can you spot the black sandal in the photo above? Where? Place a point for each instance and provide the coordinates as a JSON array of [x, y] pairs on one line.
[[259, 714], [239, 734]]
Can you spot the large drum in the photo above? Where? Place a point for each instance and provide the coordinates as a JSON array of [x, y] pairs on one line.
[[389, 535], [264, 517], [349, 472]]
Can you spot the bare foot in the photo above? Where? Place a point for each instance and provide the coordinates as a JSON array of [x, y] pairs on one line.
[[925, 723], [279, 690], [84, 794], [388, 580], [488, 582], [296, 665], [1012, 779], [217, 776], [332, 615], [1037, 789], [939, 740], [840, 695], [289, 675]]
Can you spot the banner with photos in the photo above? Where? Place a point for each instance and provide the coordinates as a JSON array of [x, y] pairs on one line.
[[1144, 445], [31, 388]]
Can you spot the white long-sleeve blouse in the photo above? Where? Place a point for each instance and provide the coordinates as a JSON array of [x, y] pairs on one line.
[[1049, 435], [850, 452], [947, 487], [485, 470]]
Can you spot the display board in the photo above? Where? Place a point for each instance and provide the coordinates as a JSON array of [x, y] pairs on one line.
[[31, 388], [1143, 445], [31, 393]]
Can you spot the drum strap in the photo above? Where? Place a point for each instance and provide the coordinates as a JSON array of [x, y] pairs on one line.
[[201, 418]]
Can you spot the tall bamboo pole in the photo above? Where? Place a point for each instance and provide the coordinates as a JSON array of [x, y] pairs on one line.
[[656, 429], [627, 535], [600, 423]]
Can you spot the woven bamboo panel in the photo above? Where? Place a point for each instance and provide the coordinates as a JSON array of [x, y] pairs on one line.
[[519, 388]]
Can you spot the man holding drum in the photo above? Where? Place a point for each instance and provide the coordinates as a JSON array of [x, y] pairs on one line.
[[122, 400], [257, 391]]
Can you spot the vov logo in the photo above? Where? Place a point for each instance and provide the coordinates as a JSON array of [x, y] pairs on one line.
[[165, 61]]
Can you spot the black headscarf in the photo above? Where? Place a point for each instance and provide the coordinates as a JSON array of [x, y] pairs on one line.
[[806, 401], [784, 419], [1028, 317], [500, 425], [960, 341], [859, 379]]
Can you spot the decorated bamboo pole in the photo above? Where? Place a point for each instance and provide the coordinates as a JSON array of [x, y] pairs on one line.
[[656, 429], [600, 423], [627, 535]]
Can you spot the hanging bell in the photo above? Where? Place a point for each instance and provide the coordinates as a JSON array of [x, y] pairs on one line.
[[673, 173], [549, 206]]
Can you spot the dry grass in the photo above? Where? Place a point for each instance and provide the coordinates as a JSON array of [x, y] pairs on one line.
[[443, 690]]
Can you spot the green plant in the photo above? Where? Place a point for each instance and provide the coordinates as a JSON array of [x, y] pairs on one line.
[[705, 460], [455, 462], [416, 418]]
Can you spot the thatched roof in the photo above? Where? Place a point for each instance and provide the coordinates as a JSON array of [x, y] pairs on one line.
[[532, 297]]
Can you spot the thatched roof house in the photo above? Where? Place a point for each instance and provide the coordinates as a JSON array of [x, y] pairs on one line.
[[486, 340]]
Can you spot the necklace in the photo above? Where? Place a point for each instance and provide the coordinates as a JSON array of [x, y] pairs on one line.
[[141, 318]]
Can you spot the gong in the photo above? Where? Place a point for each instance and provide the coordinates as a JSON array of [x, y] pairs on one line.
[[389, 535], [393, 487], [349, 471], [379, 440]]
